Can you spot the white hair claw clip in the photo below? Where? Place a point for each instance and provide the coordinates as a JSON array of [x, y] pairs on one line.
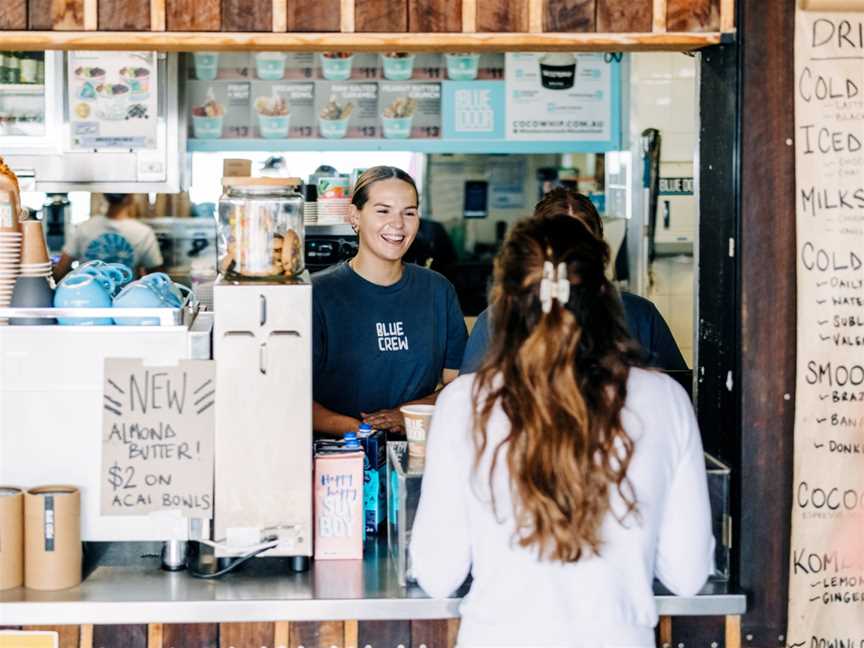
[[554, 285]]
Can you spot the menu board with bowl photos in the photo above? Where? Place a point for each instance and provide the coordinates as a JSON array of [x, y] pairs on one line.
[[346, 109], [410, 110], [358, 96], [113, 100], [282, 110]]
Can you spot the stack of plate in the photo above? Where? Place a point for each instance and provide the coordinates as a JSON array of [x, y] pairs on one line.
[[310, 213], [333, 211], [10, 265]]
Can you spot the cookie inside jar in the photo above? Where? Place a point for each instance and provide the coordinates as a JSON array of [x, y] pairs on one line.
[[260, 225]]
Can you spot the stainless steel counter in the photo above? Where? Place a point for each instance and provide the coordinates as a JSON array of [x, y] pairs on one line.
[[263, 590]]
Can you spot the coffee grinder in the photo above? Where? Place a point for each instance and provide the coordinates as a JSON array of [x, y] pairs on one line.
[[262, 344]]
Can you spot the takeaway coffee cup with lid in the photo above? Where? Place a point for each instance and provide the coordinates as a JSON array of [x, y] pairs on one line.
[[418, 418]]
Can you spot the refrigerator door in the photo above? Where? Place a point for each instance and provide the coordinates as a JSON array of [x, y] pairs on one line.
[[31, 113]]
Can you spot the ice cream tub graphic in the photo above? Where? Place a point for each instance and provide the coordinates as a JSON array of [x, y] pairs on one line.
[[557, 70], [274, 119], [270, 66], [336, 66], [462, 67], [206, 65], [398, 66], [333, 119], [207, 118]]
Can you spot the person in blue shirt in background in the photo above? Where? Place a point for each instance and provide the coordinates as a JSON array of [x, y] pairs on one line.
[[644, 321], [385, 333]]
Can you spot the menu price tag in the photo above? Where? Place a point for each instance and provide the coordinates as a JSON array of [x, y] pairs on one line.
[[157, 438], [826, 578]]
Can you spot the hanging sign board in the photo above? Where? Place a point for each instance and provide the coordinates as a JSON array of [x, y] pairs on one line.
[[112, 100], [826, 573], [561, 96], [157, 438]]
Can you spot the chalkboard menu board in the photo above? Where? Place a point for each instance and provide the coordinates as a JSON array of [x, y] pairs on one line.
[[826, 580]]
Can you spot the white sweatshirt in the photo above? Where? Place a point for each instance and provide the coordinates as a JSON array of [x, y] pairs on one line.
[[516, 599]]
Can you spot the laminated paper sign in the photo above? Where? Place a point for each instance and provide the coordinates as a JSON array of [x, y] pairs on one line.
[[157, 438], [112, 100], [560, 96], [826, 574]]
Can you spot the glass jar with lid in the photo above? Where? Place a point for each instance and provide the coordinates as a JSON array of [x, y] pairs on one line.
[[260, 228]]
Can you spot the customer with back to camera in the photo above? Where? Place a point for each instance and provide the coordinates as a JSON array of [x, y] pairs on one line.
[[116, 237], [644, 322], [563, 475]]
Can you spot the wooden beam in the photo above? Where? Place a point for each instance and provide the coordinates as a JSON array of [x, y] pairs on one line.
[[624, 15], [154, 635], [319, 16], [351, 634], [370, 42], [733, 631], [247, 16], [86, 638], [124, 15], [502, 16], [91, 15], [13, 14], [240, 635], [659, 17], [281, 634], [193, 15], [280, 16], [381, 16], [692, 15], [727, 16], [570, 15], [665, 631], [55, 14], [469, 16], [157, 15], [429, 16], [346, 16], [535, 16]]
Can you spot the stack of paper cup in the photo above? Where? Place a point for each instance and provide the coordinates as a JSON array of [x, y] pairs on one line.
[[332, 211], [35, 261], [11, 537], [52, 537], [418, 418], [10, 265]]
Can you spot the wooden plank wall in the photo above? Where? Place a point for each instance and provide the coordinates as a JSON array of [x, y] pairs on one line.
[[385, 16]]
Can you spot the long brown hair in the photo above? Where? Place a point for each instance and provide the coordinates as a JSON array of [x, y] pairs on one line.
[[561, 379]]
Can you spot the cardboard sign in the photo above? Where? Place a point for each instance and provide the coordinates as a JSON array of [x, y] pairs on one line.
[[157, 438], [826, 574]]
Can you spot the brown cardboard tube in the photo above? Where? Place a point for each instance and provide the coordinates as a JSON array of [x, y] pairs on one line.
[[11, 537], [52, 537]]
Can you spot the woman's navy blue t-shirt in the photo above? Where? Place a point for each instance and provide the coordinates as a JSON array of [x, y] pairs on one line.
[[377, 347]]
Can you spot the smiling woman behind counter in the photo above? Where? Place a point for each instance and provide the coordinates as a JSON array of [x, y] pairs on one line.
[[386, 333]]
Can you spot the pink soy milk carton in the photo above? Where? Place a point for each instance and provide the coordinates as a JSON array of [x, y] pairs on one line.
[[339, 521]]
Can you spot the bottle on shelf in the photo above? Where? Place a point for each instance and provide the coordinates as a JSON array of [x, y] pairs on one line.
[[13, 68], [28, 66]]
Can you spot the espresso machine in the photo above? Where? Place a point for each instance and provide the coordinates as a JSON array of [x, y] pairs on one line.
[[262, 344]]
